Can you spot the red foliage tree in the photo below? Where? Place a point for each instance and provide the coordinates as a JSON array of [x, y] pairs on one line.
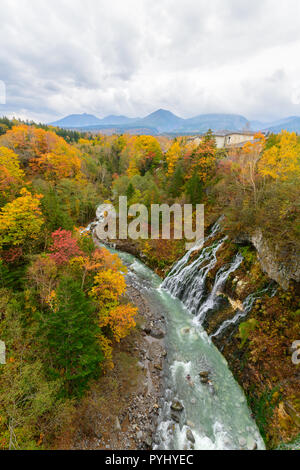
[[64, 247]]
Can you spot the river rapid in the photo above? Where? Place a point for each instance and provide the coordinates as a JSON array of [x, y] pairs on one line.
[[214, 414]]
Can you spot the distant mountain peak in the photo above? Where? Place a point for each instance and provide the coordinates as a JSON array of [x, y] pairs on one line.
[[164, 121], [77, 120], [162, 112]]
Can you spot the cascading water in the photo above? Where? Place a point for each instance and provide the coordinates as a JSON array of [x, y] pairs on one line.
[[220, 279], [211, 415], [243, 313], [247, 307], [187, 281]]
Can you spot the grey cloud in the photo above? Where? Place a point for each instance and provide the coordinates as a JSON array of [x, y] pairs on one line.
[[131, 57]]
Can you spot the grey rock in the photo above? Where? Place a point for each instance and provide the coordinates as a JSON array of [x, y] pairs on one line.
[[204, 375], [277, 270], [242, 441], [148, 442], [177, 406], [175, 417], [157, 333], [204, 380], [190, 436], [251, 443], [117, 424]]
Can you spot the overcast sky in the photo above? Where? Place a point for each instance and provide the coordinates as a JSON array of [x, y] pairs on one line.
[[132, 57]]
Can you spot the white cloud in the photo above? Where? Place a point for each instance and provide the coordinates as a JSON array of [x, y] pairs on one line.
[[132, 57]]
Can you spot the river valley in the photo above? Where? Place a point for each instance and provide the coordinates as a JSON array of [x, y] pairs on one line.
[[202, 406]]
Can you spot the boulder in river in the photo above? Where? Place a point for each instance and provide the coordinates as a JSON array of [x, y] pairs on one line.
[[147, 330], [204, 375], [204, 380], [157, 333], [242, 441], [185, 330], [175, 417], [177, 406], [251, 443], [190, 436]]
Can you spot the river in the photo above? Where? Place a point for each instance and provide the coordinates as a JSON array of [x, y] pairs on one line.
[[215, 415]]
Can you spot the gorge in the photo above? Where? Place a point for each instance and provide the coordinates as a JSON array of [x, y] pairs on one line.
[[202, 405], [213, 413]]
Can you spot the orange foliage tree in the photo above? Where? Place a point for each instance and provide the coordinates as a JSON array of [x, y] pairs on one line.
[[29, 142], [105, 272], [62, 162], [46, 151], [201, 161]]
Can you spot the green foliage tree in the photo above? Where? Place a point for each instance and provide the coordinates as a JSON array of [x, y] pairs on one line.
[[194, 189], [71, 333]]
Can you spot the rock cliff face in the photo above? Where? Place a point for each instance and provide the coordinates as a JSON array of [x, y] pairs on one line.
[[279, 266], [281, 272], [230, 287]]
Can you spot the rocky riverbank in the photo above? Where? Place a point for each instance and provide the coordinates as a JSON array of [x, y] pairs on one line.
[[121, 410], [256, 343]]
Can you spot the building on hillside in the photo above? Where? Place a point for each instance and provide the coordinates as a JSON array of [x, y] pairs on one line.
[[227, 139], [235, 138]]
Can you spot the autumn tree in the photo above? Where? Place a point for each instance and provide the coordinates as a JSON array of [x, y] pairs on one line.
[[64, 246], [146, 156], [251, 154], [172, 156], [63, 162], [29, 142], [21, 220], [42, 275], [200, 167], [282, 160], [11, 175]]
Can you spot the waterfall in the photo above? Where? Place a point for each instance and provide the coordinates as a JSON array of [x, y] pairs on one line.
[[212, 415], [220, 280], [247, 307], [241, 314], [187, 279]]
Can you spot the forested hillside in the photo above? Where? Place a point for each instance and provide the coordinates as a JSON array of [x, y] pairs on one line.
[[63, 306]]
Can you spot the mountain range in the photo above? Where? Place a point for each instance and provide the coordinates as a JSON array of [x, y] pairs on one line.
[[163, 121]]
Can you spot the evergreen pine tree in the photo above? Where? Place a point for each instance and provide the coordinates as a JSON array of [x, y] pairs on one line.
[[71, 333]]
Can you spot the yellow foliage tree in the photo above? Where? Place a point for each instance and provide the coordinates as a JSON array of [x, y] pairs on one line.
[[283, 159], [108, 287], [172, 156], [21, 220], [121, 320], [11, 174], [146, 155]]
